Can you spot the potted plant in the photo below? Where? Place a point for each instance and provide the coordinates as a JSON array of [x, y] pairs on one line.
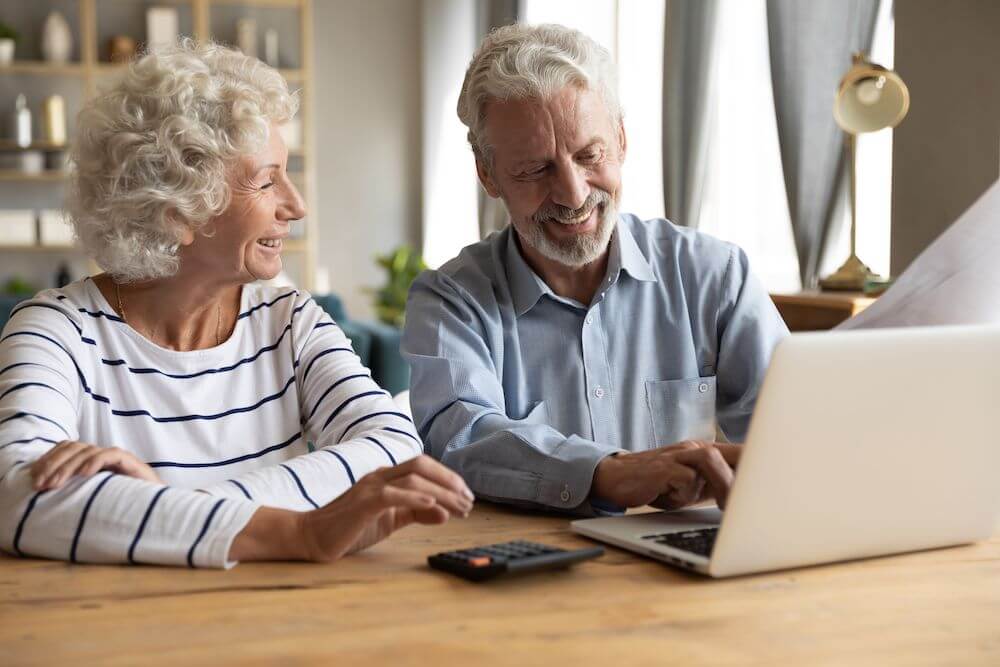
[[8, 38], [403, 265]]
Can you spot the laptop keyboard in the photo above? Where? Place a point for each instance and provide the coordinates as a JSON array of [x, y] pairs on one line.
[[696, 541]]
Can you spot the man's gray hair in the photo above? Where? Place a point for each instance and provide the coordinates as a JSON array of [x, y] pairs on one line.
[[532, 62], [153, 152]]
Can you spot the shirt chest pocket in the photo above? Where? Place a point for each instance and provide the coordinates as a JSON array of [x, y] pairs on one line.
[[681, 409]]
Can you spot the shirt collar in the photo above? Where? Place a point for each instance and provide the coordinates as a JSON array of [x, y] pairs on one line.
[[630, 257], [527, 287]]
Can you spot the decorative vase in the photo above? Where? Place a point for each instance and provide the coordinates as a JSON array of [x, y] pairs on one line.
[[6, 51], [57, 39]]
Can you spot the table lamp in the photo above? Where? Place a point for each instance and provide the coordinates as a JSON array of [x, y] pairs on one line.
[[869, 98]]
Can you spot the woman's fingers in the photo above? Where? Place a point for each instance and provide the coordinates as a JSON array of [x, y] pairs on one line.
[[455, 503], [116, 460], [74, 465], [47, 464], [62, 462], [393, 496], [427, 467]]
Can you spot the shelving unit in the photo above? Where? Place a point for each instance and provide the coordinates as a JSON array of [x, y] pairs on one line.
[[83, 76]]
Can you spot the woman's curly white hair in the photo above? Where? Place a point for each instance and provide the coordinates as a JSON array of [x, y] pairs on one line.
[[152, 152]]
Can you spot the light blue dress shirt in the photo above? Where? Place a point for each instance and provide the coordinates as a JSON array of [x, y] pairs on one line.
[[523, 392]]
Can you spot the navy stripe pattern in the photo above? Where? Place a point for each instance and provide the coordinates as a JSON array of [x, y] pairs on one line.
[[242, 488], [392, 459], [287, 370], [235, 459], [204, 529], [83, 517], [24, 519], [298, 482], [142, 524], [32, 415], [343, 461]]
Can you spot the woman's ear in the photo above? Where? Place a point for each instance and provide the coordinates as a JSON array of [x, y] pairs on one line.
[[185, 235]]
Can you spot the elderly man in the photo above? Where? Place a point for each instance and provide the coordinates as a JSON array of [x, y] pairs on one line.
[[580, 359]]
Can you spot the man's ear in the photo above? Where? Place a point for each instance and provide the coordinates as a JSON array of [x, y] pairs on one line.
[[486, 179], [622, 141]]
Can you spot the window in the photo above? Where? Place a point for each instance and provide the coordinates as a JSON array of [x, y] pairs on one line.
[[874, 189], [744, 193], [632, 30]]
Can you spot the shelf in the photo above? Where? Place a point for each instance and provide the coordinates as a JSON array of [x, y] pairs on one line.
[[110, 68], [42, 177], [80, 79], [291, 4], [40, 248], [45, 146], [41, 67]]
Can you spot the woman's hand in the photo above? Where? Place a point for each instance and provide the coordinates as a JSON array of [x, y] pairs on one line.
[[420, 490], [69, 458]]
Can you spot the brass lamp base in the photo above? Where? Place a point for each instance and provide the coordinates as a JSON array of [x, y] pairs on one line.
[[851, 276]]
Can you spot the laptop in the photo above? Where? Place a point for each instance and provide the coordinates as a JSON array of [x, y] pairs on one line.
[[862, 444]]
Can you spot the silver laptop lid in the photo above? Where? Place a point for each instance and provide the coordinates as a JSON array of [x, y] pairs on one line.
[[865, 443]]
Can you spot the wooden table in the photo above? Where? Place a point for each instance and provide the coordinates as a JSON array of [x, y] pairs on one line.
[[818, 311], [385, 606]]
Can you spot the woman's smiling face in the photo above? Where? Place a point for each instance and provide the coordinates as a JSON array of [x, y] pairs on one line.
[[246, 239]]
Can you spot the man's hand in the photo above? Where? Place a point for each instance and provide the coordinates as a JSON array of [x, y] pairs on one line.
[[69, 458], [668, 477], [420, 490]]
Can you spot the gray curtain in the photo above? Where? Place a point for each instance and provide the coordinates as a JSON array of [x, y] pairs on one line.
[[493, 14], [688, 99], [811, 45]]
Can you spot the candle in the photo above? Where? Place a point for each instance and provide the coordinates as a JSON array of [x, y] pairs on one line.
[[54, 111]]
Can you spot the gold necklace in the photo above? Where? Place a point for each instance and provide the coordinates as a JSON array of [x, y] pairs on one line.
[[218, 321]]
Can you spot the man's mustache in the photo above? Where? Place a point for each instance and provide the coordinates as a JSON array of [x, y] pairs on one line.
[[561, 213]]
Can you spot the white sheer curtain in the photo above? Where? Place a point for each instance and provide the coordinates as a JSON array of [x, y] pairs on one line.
[[744, 190], [745, 200], [450, 218], [874, 194]]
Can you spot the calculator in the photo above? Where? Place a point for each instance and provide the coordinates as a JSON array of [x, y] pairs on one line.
[[494, 560]]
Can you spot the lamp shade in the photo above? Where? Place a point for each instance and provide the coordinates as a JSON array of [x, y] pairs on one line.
[[870, 98]]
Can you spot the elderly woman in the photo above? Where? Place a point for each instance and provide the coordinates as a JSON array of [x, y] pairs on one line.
[[162, 412]]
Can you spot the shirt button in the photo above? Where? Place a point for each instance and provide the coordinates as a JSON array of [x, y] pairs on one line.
[[703, 387], [599, 392], [564, 496], [590, 319]]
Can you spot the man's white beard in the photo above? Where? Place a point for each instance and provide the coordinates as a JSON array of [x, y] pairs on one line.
[[575, 251]]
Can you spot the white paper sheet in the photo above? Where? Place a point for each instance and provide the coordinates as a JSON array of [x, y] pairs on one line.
[[956, 280]]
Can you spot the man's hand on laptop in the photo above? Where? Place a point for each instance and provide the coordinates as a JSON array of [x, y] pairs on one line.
[[668, 477]]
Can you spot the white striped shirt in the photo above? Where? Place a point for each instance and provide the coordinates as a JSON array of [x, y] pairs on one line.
[[235, 421]]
